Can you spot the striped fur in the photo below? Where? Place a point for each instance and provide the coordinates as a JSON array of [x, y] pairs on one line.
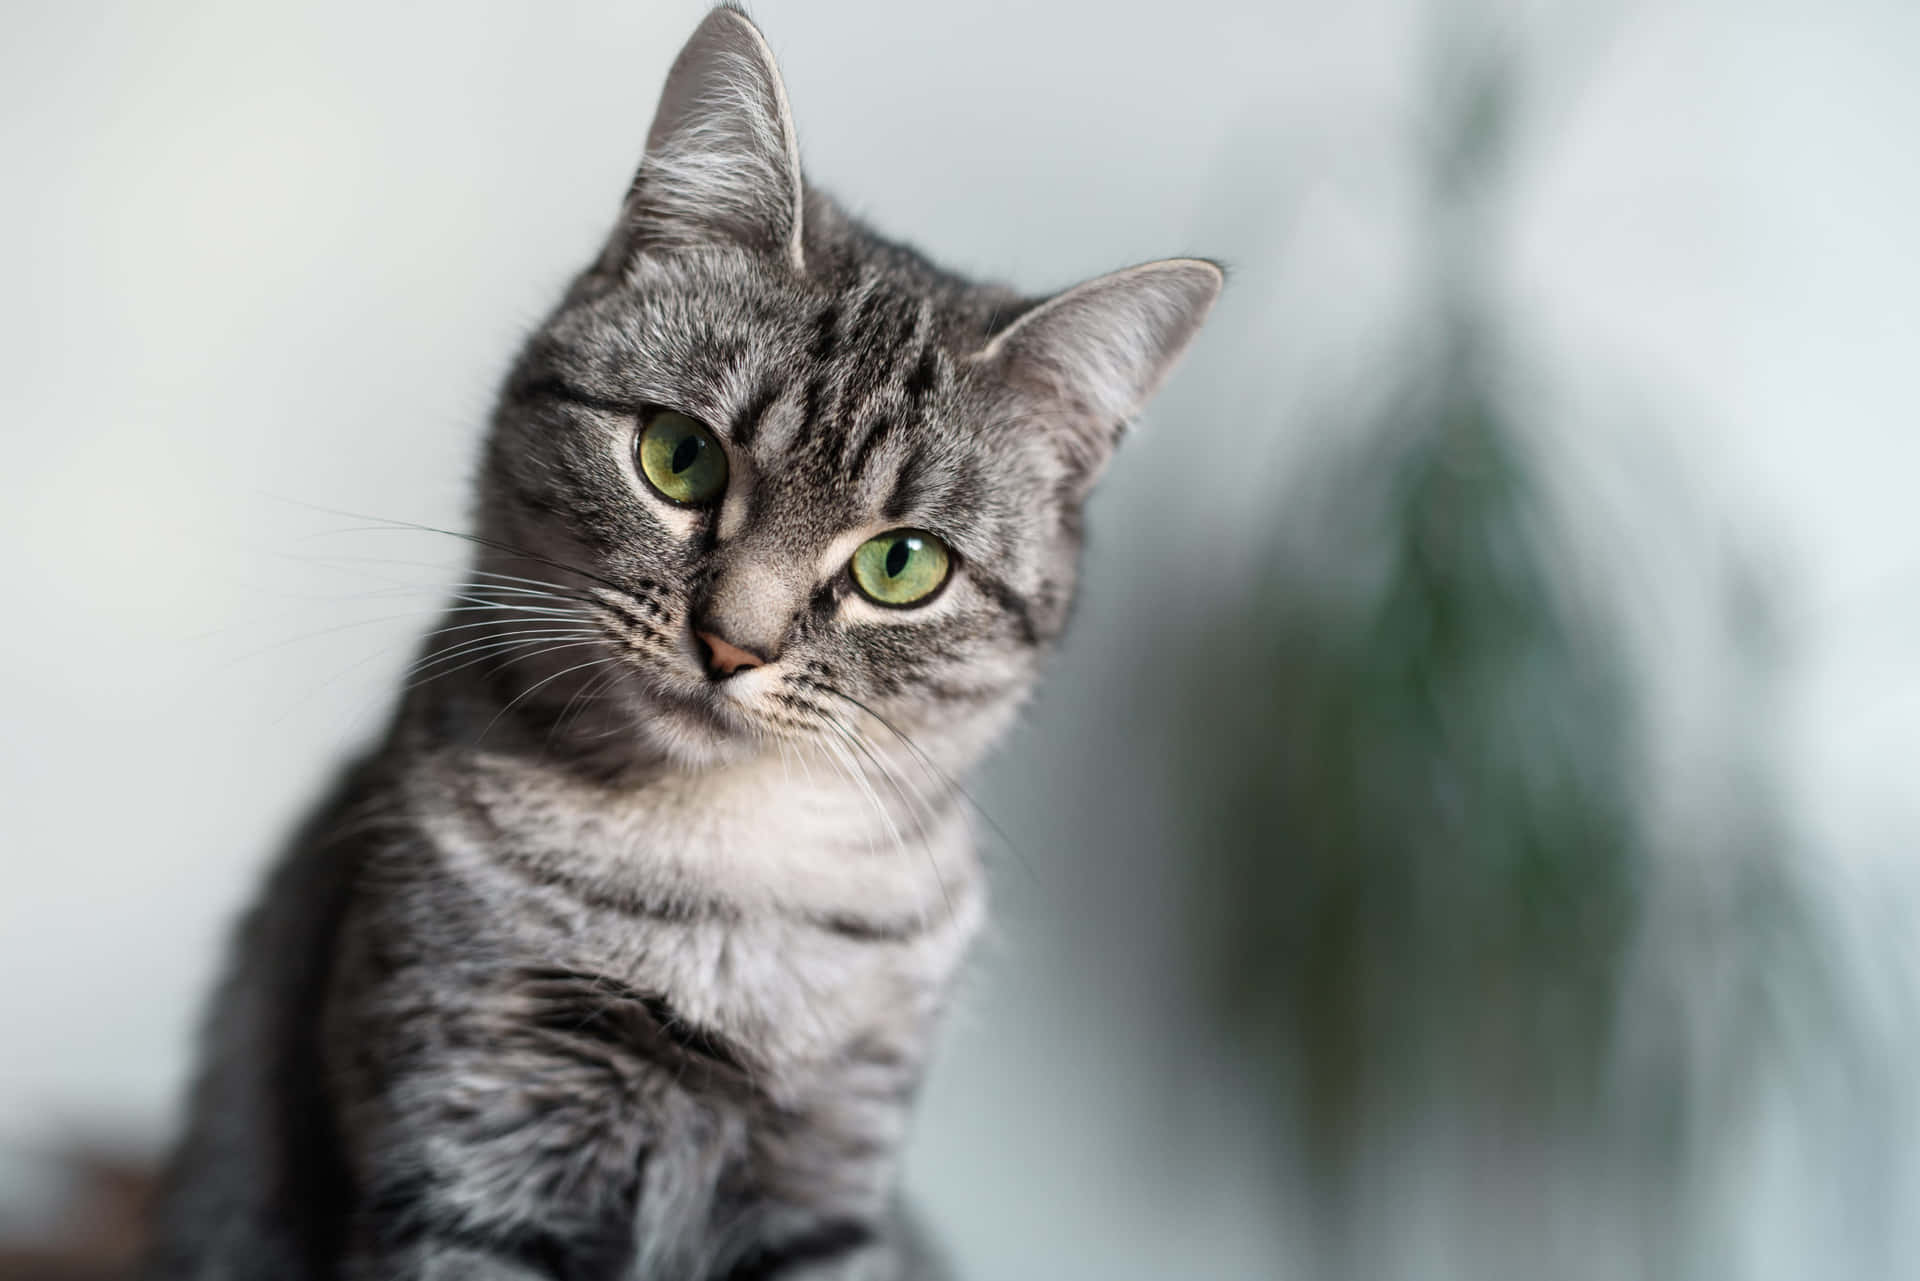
[[601, 969]]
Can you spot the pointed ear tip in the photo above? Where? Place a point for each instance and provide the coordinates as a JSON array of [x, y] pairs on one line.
[[1205, 272], [729, 14], [1199, 279], [729, 24]]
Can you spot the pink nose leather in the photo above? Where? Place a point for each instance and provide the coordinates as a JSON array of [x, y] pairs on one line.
[[724, 658]]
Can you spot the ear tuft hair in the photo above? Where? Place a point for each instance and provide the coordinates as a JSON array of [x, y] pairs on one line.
[[1087, 360], [722, 162]]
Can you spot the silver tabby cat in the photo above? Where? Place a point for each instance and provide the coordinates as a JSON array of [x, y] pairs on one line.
[[620, 956]]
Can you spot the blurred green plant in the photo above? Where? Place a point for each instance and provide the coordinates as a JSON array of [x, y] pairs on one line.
[[1437, 898], [1444, 852]]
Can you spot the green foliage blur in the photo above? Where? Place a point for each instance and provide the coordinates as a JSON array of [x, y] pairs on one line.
[[1446, 925]]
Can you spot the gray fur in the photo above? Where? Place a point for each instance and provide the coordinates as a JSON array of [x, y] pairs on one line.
[[597, 967]]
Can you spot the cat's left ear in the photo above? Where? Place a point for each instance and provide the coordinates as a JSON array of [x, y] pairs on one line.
[[722, 163], [1086, 361]]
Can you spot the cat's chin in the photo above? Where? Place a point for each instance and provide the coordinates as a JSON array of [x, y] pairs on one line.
[[696, 730]]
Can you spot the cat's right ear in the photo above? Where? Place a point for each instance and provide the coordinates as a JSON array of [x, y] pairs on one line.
[[1084, 362], [722, 163]]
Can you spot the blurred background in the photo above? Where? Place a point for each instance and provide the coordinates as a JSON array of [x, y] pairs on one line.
[[1470, 832]]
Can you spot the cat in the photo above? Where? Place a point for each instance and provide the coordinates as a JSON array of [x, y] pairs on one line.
[[619, 957]]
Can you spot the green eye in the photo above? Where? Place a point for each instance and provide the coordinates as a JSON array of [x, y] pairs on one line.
[[681, 459], [901, 567]]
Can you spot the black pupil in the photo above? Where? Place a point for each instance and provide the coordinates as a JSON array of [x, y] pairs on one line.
[[897, 557], [684, 453]]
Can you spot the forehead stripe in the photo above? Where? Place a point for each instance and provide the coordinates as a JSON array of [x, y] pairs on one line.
[[746, 425], [909, 485], [826, 332], [856, 465], [925, 376], [813, 404]]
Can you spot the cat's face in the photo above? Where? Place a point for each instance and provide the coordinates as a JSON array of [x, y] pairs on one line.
[[791, 499], [795, 479]]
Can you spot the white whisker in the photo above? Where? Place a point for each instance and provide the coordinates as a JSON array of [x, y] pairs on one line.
[[507, 647], [522, 696], [854, 738]]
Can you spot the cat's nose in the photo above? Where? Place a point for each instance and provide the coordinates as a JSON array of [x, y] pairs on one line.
[[724, 658], [741, 621]]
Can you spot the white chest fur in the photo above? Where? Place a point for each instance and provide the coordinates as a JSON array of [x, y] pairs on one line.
[[801, 909]]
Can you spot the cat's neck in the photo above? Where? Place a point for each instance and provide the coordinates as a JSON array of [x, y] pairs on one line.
[[872, 832]]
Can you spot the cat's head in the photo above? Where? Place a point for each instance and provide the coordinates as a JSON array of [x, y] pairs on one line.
[[789, 473]]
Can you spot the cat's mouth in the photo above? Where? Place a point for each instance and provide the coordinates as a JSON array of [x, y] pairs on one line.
[[703, 722], [692, 717], [691, 714], [698, 703]]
